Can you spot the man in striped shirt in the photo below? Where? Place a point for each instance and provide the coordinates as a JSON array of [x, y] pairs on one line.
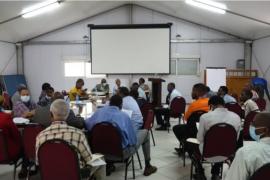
[[60, 130]]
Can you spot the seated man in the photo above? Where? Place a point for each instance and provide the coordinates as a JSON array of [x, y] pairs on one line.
[[159, 112], [116, 87], [223, 92], [60, 130], [142, 84], [255, 154], [16, 96], [114, 115], [248, 104], [129, 103], [42, 115], [219, 114], [45, 100], [45, 87], [25, 107], [11, 132], [77, 91], [102, 87], [184, 131], [140, 101], [135, 86]]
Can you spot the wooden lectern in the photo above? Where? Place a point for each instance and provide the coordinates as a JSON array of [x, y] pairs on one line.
[[156, 91]]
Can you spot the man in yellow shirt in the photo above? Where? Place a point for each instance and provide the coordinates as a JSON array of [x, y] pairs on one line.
[[77, 90]]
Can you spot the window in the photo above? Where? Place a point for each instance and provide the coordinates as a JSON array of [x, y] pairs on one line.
[[80, 69], [181, 66]]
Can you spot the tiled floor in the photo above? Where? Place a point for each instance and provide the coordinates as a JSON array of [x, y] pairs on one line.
[[170, 166]]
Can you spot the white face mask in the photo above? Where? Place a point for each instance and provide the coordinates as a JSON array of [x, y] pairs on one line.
[[48, 97], [25, 98]]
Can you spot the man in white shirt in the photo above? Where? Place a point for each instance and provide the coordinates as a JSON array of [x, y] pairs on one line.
[[254, 155], [117, 86], [219, 114], [248, 104], [223, 92], [159, 112]]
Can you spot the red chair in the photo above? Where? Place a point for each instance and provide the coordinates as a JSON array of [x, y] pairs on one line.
[[30, 133], [262, 173], [236, 108], [220, 144], [177, 107], [106, 139], [248, 120], [144, 110], [261, 103], [58, 160], [4, 157], [148, 124]]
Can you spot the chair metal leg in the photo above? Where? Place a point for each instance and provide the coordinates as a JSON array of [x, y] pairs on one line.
[[153, 137], [191, 170], [133, 170], [126, 169], [139, 159], [14, 170]]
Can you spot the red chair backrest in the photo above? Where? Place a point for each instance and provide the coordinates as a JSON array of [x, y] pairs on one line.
[[248, 120], [144, 110], [236, 108], [149, 122], [106, 139], [220, 140], [3, 149], [262, 173], [30, 133], [177, 107], [58, 160], [261, 104]]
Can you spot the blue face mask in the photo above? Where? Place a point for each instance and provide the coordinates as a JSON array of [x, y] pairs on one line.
[[252, 133]]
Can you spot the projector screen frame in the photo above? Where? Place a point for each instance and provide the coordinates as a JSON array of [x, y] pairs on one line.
[[131, 26]]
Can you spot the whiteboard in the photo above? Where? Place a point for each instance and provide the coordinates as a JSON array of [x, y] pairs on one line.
[[215, 77], [131, 49]]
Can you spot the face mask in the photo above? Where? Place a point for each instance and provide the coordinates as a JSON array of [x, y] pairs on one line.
[[104, 84], [252, 133], [25, 98]]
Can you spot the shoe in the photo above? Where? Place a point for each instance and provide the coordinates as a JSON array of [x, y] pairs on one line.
[[179, 151], [23, 173], [215, 177], [161, 128], [149, 170], [109, 169]]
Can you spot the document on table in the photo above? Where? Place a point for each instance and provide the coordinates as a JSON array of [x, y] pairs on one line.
[[20, 120], [128, 112], [193, 140], [97, 160]]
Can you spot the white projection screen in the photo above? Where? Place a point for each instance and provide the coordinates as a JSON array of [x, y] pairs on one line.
[[130, 49]]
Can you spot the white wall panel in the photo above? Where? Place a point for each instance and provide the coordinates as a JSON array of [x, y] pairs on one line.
[[8, 59], [49, 57]]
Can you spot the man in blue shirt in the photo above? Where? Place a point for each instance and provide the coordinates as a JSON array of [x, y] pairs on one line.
[[131, 138], [261, 83], [223, 92]]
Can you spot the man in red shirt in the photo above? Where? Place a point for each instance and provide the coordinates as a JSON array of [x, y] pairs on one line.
[[11, 132]]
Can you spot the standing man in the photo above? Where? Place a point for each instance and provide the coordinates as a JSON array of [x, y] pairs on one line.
[[116, 87]]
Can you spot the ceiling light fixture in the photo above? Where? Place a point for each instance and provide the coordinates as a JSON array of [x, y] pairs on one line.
[[209, 5], [40, 8]]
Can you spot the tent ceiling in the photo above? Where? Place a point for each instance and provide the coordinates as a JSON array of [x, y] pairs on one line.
[[71, 11]]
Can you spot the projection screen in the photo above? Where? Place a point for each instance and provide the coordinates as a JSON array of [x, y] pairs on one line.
[[130, 49]]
